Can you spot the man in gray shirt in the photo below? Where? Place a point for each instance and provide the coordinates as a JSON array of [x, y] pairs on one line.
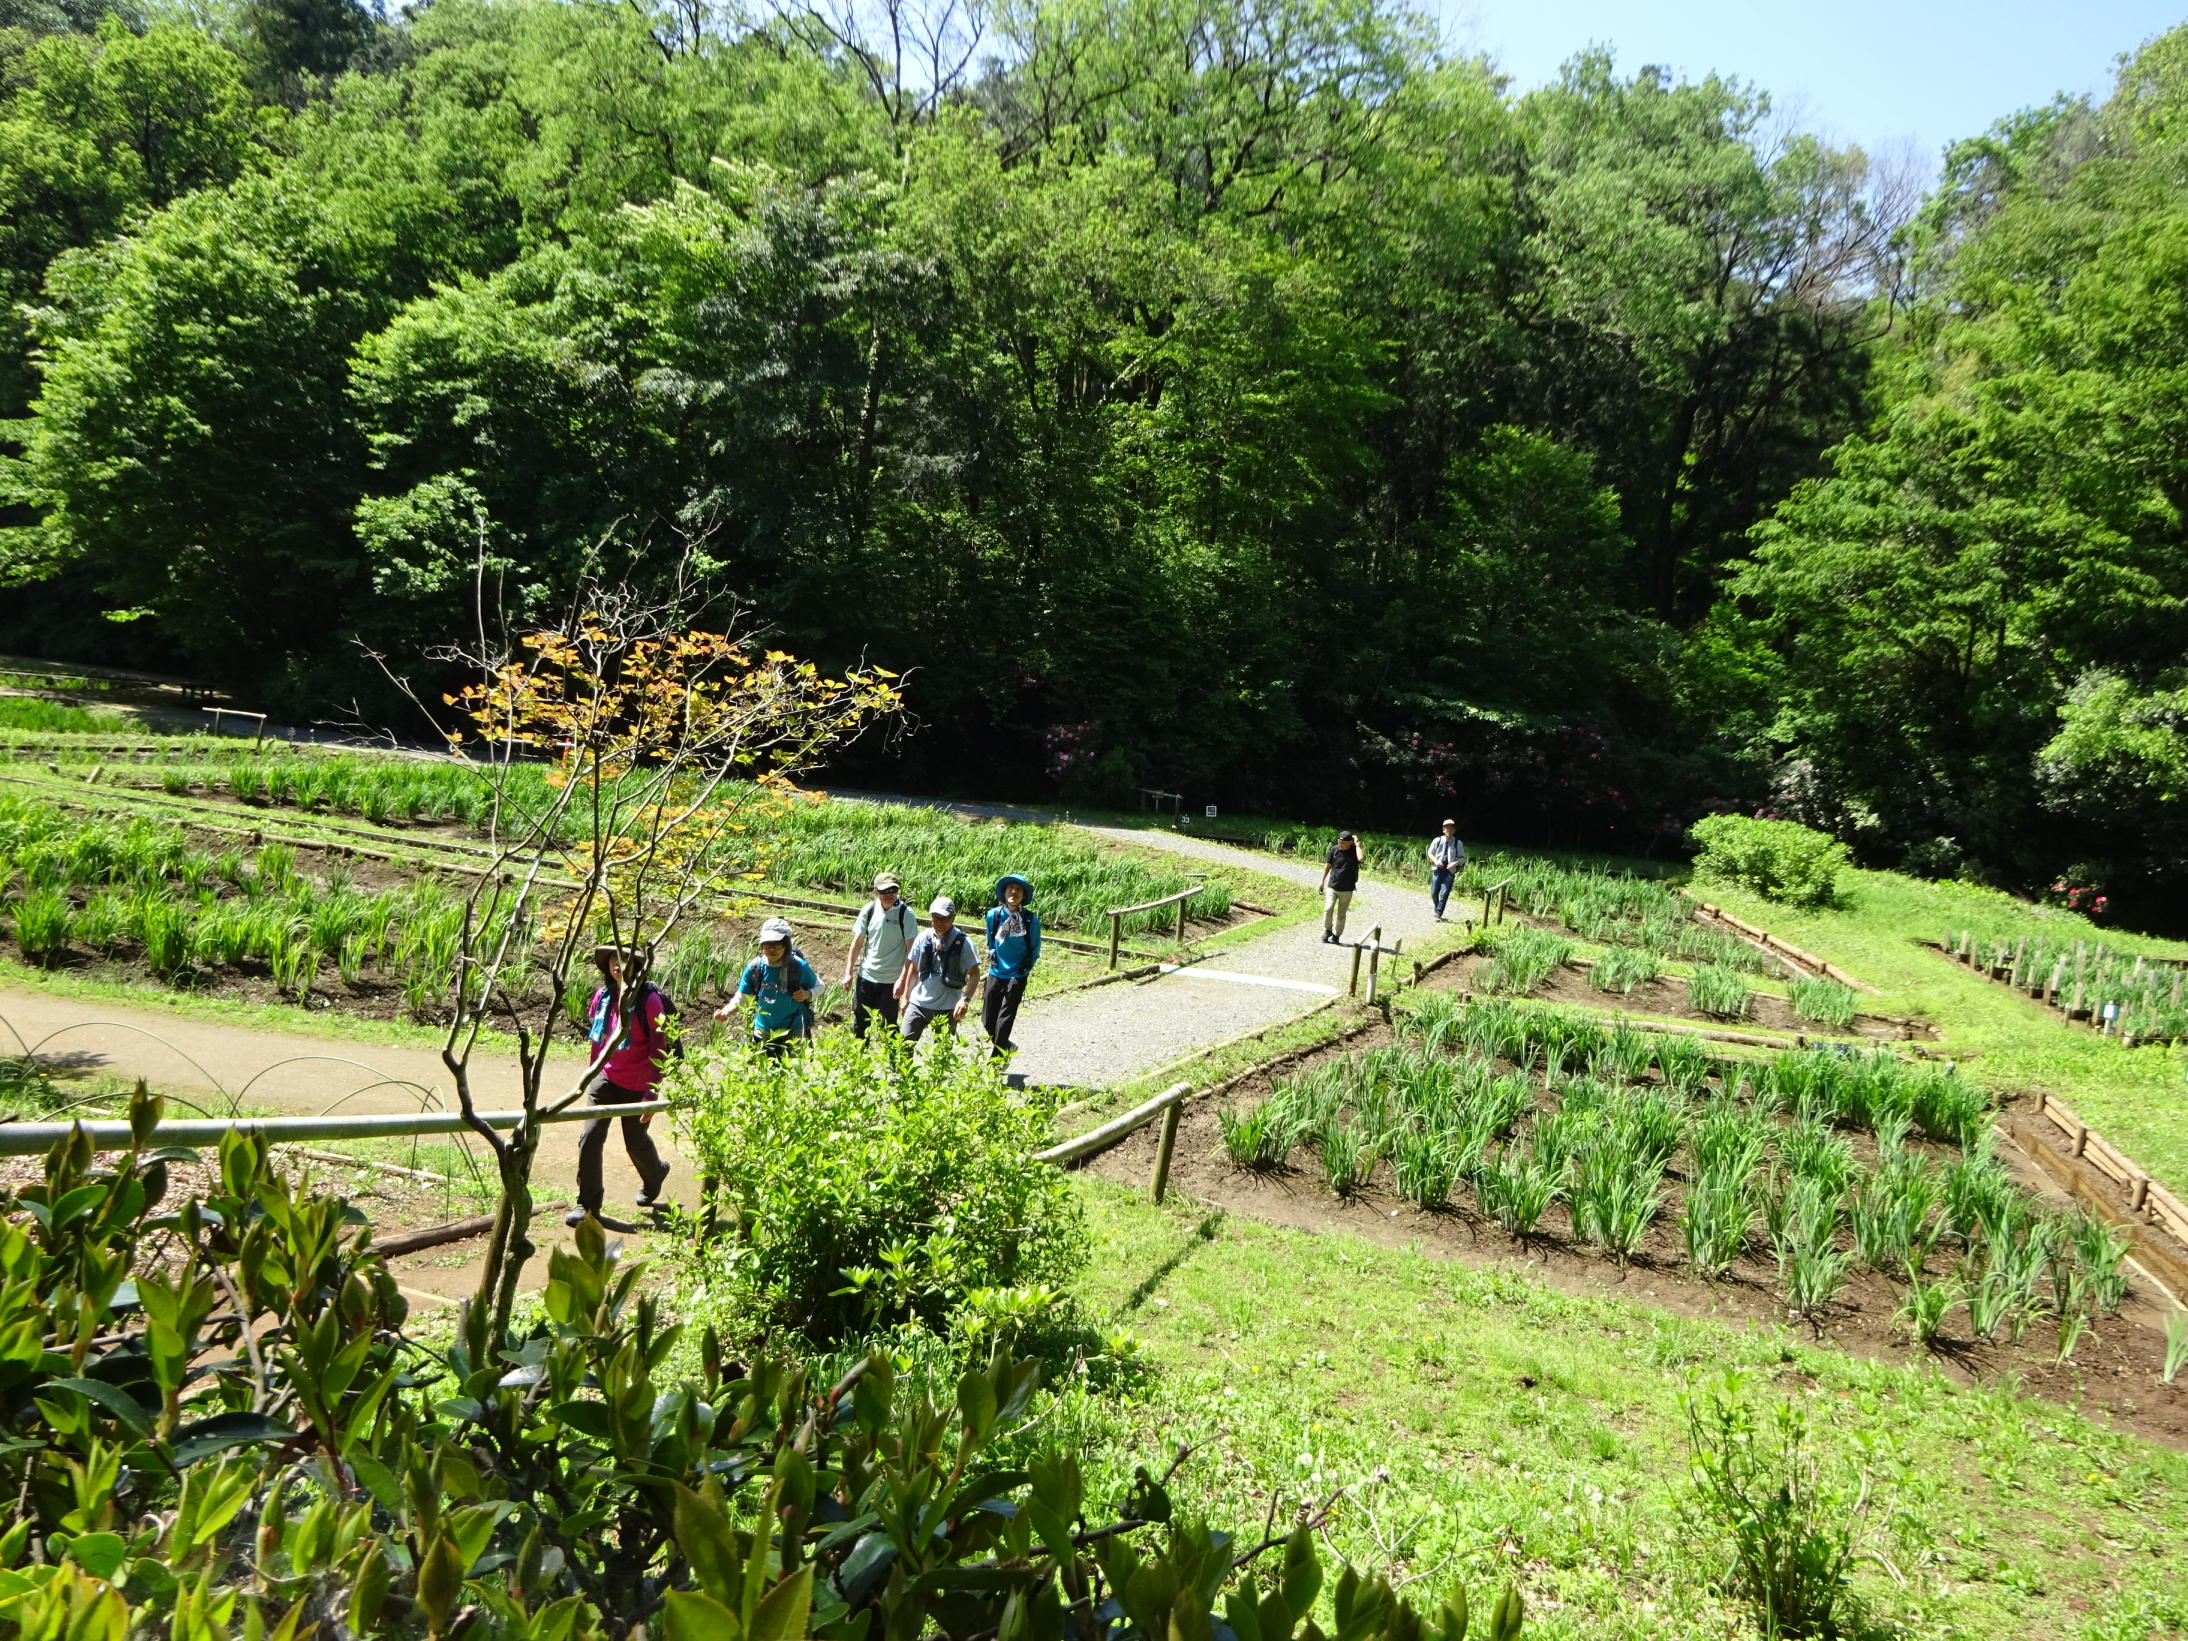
[[881, 939], [1446, 860], [941, 973]]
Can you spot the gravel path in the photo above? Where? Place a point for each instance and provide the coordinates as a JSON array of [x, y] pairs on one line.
[[1090, 1039]]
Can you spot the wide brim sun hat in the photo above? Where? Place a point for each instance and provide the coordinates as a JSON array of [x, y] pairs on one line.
[[1007, 879]]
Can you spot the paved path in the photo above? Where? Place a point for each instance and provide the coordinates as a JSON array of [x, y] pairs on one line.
[[1093, 1038]]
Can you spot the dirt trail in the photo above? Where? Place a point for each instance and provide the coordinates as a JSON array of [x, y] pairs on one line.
[[224, 1067]]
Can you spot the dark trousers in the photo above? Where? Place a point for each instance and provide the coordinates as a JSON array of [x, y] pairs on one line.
[[592, 1140], [872, 997], [1000, 1012], [917, 1019], [1440, 879]]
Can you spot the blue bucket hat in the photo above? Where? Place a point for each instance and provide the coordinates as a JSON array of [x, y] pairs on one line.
[[1009, 878]]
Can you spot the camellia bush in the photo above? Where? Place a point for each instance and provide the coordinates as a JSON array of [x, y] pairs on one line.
[[1779, 860], [219, 1423], [855, 1185]]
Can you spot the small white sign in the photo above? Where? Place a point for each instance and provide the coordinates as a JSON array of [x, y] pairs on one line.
[[1211, 811], [2111, 1011]]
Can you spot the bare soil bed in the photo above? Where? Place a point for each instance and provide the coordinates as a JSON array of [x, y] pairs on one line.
[[2114, 1369], [1667, 997]]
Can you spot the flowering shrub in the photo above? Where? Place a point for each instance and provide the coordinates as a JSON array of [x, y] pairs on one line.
[[1777, 859]]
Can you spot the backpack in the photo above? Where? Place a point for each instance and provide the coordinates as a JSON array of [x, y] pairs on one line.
[[673, 1041], [953, 972], [804, 1025]]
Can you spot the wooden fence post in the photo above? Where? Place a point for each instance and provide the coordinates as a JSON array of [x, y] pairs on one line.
[[1352, 986], [1116, 933], [1161, 1182]]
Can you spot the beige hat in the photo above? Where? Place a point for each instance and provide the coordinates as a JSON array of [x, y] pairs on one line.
[[886, 880]]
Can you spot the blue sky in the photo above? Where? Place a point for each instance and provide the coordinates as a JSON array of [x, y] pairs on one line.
[[1887, 74]]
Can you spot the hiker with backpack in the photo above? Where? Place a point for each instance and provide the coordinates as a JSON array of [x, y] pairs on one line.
[[781, 984], [881, 941], [941, 972], [627, 1056], [1014, 946]]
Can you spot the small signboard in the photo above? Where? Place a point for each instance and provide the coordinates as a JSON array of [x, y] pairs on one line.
[[1211, 811]]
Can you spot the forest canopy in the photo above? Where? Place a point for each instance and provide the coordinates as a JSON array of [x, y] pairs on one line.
[[1244, 396]]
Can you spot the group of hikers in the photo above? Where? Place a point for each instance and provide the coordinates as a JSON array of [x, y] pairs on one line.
[[906, 974]]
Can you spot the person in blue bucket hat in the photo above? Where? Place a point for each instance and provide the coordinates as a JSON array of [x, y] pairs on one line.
[[1014, 946]]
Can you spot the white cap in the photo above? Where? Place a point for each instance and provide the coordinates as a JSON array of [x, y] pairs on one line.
[[943, 906], [775, 928]]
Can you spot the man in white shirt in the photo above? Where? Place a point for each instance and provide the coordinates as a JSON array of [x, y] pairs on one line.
[[881, 940], [1446, 860]]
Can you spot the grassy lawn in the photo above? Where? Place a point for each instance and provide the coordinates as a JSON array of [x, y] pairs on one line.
[[1490, 1427], [2137, 1097]]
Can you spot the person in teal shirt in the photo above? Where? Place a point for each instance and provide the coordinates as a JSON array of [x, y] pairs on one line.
[[781, 985], [1014, 946]]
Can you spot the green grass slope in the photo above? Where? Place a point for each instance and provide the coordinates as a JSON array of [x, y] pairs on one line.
[[2138, 1097], [1489, 1427]]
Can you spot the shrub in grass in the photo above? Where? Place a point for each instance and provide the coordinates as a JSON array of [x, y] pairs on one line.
[[101, 923], [1813, 1276], [1621, 968], [1615, 1197], [2100, 1252], [27, 712], [908, 1180], [44, 922], [165, 928], [2176, 1345], [1779, 860], [1683, 1063], [1793, 1526], [1947, 1106], [1623, 1056], [1731, 1140], [1718, 992], [1824, 1002]]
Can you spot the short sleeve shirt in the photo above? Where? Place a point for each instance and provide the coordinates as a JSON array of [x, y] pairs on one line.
[[888, 936], [770, 986], [1344, 869], [1445, 851], [930, 992]]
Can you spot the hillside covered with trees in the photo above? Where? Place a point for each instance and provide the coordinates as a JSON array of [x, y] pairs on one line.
[[1246, 396]]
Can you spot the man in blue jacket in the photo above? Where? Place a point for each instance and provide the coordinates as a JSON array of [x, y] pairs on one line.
[[1014, 946]]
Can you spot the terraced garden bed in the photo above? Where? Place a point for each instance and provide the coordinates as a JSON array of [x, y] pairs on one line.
[[1865, 1195]]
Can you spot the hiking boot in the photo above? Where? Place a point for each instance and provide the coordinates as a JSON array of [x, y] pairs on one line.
[[577, 1216], [650, 1197]]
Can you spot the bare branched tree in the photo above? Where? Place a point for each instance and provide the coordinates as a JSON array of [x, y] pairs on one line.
[[913, 54], [630, 762]]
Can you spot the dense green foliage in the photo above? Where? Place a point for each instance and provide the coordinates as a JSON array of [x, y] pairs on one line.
[[1977, 613], [1251, 393], [1779, 860], [1251, 397], [219, 1418], [869, 1186]]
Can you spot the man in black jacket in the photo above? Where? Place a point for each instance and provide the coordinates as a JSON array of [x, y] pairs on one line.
[[1340, 876]]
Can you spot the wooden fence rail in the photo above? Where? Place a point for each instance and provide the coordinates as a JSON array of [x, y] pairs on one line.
[[2144, 1195], [1117, 914]]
